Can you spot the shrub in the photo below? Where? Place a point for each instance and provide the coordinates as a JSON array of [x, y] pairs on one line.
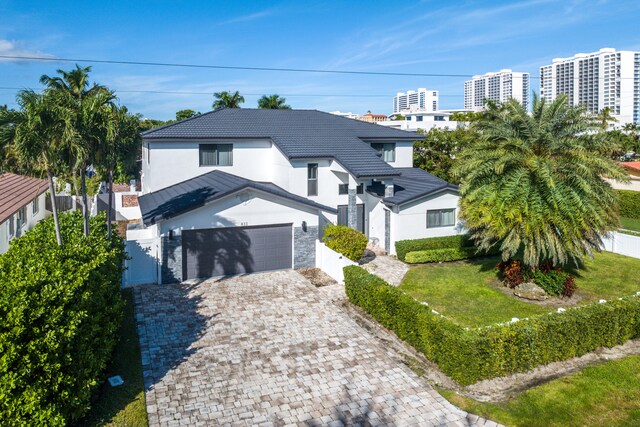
[[512, 272], [347, 241], [629, 203], [471, 355], [403, 247], [569, 286], [59, 312], [553, 280], [440, 255]]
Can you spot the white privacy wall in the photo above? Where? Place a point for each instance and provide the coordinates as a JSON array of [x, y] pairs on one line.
[[331, 262]]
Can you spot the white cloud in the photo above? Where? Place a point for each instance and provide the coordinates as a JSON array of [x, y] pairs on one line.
[[18, 49]]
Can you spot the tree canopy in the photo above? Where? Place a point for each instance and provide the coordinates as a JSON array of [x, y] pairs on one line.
[[227, 99], [273, 102], [439, 150], [533, 184]]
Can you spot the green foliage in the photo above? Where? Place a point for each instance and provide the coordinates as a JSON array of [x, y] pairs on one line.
[[468, 116], [403, 247], [471, 355], [552, 279], [440, 149], [60, 308], [534, 182], [186, 114], [629, 203], [442, 255], [347, 241], [273, 102], [227, 99]]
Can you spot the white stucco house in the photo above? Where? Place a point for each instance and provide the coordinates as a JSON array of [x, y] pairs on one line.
[[246, 190], [22, 205]]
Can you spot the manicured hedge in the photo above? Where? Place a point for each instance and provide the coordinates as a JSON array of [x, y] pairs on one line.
[[629, 203], [59, 312], [439, 249], [471, 355], [440, 255], [347, 241]]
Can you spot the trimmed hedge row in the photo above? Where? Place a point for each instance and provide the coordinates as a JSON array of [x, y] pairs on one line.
[[441, 255], [403, 247], [59, 313], [471, 355], [347, 241], [629, 203]]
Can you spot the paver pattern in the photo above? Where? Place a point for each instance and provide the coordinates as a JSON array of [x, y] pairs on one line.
[[391, 269], [270, 349]]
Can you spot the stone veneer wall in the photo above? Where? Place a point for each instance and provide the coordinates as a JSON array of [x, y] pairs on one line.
[[304, 246], [171, 259]]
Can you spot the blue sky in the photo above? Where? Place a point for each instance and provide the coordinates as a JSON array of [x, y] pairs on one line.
[[426, 37]]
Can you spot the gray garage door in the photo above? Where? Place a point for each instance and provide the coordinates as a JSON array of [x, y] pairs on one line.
[[235, 250]]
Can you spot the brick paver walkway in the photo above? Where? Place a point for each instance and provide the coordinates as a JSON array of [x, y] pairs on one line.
[[391, 269], [271, 349]]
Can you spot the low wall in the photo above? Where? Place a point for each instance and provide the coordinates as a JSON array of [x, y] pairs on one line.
[[142, 265], [331, 262]]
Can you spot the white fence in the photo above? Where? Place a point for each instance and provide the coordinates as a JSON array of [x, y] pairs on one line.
[[143, 265], [623, 244], [331, 262]]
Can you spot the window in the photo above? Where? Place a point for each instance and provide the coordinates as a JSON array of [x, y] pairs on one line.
[[343, 188], [360, 189], [441, 218], [386, 151], [22, 217], [312, 179], [35, 205], [148, 153], [419, 118], [216, 154], [10, 227]]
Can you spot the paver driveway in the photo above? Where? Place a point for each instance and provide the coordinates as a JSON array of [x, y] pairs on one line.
[[271, 349]]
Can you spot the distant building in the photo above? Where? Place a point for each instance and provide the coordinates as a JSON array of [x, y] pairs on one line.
[[372, 118], [499, 86], [343, 114], [607, 78], [424, 120], [422, 100]]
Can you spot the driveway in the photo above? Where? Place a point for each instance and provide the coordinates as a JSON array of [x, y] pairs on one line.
[[271, 349]]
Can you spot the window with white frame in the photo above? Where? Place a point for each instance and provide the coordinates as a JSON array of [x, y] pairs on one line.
[[216, 154], [10, 227], [35, 205], [386, 151], [22, 217], [312, 179], [441, 218]]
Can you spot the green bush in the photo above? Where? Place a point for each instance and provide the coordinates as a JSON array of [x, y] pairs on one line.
[[403, 247], [59, 312], [629, 203], [347, 241], [440, 255], [551, 281], [471, 355]]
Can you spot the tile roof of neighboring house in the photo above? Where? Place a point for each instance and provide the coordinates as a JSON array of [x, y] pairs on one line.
[[17, 191], [631, 165], [198, 191], [412, 184], [299, 134]]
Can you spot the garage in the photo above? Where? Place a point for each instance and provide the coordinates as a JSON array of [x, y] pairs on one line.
[[212, 252]]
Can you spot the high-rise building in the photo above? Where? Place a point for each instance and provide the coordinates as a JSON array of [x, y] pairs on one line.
[[422, 100], [500, 86], [607, 78]]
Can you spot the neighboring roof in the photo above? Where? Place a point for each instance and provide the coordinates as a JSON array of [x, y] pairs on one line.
[[299, 134], [631, 165], [196, 192], [412, 184], [17, 191]]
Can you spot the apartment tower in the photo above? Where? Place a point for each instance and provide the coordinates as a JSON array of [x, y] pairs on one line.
[[499, 86], [422, 100]]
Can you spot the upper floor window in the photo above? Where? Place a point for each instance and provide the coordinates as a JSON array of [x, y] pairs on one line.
[[35, 205], [386, 151], [10, 227], [441, 218], [344, 189], [312, 179], [22, 216], [216, 154]]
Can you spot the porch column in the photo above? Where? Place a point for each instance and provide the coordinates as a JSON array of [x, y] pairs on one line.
[[352, 210]]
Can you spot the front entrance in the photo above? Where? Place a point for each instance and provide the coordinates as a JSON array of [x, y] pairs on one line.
[[343, 216]]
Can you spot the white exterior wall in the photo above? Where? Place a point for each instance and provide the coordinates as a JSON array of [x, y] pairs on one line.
[[31, 220], [243, 209], [410, 221], [331, 262], [413, 125], [376, 227]]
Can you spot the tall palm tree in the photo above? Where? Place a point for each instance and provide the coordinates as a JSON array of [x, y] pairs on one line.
[[273, 102], [604, 117], [227, 99], [87, 100], [535, 182], [41, 130]]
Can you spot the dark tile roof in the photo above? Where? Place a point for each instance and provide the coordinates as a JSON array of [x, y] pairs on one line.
[[412, 184], [17, 191], [299, 134], [195, 192]]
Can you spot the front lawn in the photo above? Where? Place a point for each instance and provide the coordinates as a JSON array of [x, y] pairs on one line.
[[601, 395], [470, 292]]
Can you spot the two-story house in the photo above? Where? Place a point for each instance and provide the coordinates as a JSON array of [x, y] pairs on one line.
[[245, 190], [22, 205]]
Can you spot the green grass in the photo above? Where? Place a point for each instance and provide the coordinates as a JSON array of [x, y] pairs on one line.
[[124, 405], [630, 224], [470, 292], [607, 394]]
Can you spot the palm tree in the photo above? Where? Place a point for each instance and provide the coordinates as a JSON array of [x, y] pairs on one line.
[[41, 129], [604, 117], [227, 99], [273, 102], [535, 182], [87, 100]]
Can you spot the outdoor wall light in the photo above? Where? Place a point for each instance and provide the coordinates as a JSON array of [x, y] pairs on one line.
[[304, 226]]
